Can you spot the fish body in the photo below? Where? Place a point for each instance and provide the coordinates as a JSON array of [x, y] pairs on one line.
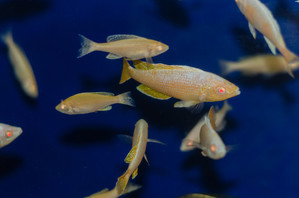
[[136, 154], [21, 66], [89, 102], [193, 137], [8, 134], [261, 18], [266, 64], [128, 46], [189, 84]]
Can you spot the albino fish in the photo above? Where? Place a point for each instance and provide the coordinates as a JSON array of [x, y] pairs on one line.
[[210, 142], [89, 102], [122, 45], [190, 141], [22, 68], [113, 193], [260, 17], [198, 195], [189, 84], [135, 155], [266, 64], [8, 134]]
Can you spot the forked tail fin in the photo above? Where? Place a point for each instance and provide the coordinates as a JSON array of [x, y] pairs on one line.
[[126, 99], [122, 182], [87, 46]]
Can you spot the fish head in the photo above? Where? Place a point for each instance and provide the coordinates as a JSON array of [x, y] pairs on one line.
[[30, 89], [220, 89], [241, 4], [64, 107], [8, 134], [158, 48], [216, 150]]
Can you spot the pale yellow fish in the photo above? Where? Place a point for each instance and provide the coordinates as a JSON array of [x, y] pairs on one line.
[[89, 102], [266, 64], [136, 154], [260, 18], [122, 45], [8, 134], [192, 138], [106, 193], [210, 142], [21, 65], [199, 195], [189, 84]]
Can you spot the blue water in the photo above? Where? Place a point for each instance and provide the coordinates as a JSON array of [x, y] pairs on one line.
[[59, 155]]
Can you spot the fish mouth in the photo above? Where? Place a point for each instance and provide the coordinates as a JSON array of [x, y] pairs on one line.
[[237, 92]]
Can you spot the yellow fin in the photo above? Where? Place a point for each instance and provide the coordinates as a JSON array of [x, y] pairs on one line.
[[125, 73], [212, 117], [185, 103], [135, 173], [121, 184], [152, 93], [131, 154], [108, 108]]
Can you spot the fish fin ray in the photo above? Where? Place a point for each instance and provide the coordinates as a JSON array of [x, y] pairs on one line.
[[121, 183], [149, 60], [125, 98], [185, 103], [117, 37], [87, 46], [145, 158], [152, 93], [125, 72]]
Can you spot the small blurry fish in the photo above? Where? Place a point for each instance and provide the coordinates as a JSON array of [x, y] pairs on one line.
[[89, 102], [113, 193], [136, 154], [198, 195], [189, 84], [192, 138], [21, 66], [8, 134], [266, 64], [210, 142], [260, 17], [122, 45]]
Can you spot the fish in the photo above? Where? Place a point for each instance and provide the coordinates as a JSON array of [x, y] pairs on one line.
[[266, 64], [21, 66], [260, 17], [199, 195], [122, 45], [88, 102], [210, 142], [8, 134], [136, 154], [105, 193], [191, 85], [188, 143]]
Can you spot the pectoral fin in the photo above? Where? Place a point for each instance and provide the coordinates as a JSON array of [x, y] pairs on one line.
[[108, 108], [152, 93], [203, 154], [131, 154], [252, 30], [146, 159], [113, 56], [135, 173], [271, 45]]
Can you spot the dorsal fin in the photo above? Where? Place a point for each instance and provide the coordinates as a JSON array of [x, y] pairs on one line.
[[138, 64], [212, 117], [102, 93], [117, 37]]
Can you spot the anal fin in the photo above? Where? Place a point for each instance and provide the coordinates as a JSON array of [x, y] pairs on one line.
[[113, 56], [108, 108], [152, 93]]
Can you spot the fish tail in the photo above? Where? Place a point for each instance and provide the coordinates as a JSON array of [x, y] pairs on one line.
[[126, 99], [125, 73], [131, 187], [227, 67], [6, 37], [87, 46], [122, 182], [292, 60], [227, 106]]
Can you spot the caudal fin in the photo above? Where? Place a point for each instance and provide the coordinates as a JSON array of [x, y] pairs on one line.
[[121, 183], [125, 73], [87, 46], [292, 60], [126, 99], [131, 187], [226, 67]]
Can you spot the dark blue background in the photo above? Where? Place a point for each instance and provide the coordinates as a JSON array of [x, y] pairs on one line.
[[74, 156]]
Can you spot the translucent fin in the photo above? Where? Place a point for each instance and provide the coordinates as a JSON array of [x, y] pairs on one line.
[[87, 46], [212, 117], [149, 60], [155, 141], [108, 108], [113, 56], [125, 138], [185, 103], [125, 73], [271, 45], [126, 99], [130, 188], [227, 67], [118, 37], [152, 93], [131, 154], [98, 193], [252, 30], [121, 183], [197, 108], [135, 173], [145, 158]]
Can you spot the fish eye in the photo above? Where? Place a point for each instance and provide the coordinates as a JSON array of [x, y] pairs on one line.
[[8, 134], [213, 148], [221, 90], [159, 48], [62, 106], [190, 143]]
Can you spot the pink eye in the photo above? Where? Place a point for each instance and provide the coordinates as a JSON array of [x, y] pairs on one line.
[[213, 148], [221, 90], [8, 133]]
